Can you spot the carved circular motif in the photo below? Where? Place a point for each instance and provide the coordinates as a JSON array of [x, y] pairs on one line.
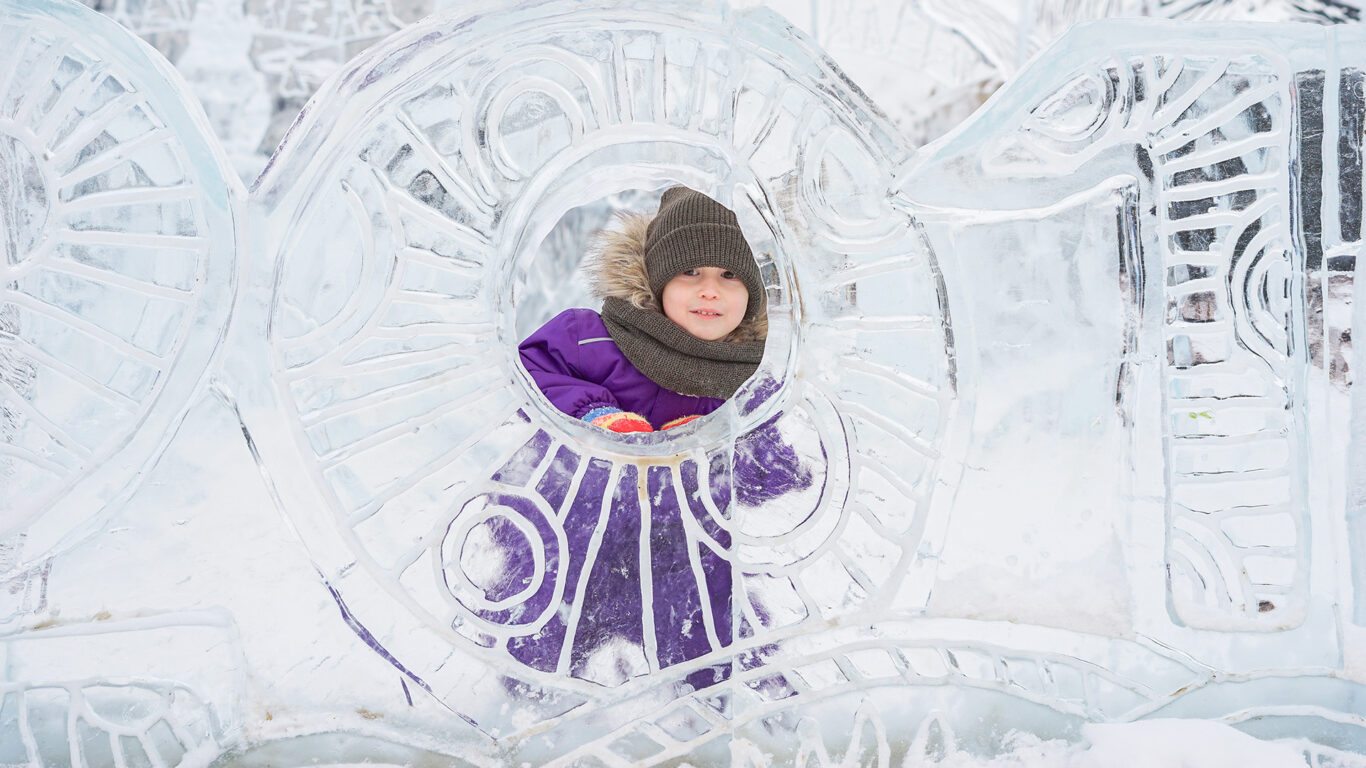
[[575, 559], [118, 268], [495, 554]]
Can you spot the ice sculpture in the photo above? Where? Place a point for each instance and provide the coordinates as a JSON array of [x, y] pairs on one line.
[[119, 271], [1217, 187], [1066, 393], [253, 65], [119, 274], [1236, 222], [404, 243], [74, 697]]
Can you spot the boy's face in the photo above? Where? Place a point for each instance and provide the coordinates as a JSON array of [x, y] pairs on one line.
[[708, 302]]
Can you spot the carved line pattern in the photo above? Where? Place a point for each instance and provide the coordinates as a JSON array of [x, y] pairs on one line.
[[1066, 684], [1216, 131], [1236, 539], [106, 215], [405, 351], [105, 723]]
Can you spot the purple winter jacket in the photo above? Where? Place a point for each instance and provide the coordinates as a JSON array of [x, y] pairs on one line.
[[578, 367]]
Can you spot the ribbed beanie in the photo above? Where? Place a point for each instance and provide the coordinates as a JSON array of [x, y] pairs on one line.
[[692, 230]]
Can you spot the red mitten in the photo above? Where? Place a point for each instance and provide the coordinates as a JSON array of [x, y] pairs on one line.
[[622, 421], [678, 422]]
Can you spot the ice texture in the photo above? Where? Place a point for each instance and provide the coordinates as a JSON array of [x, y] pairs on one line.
[[1231, 223], [1055, 425], [397, 308], [119, 270], [253, 65]]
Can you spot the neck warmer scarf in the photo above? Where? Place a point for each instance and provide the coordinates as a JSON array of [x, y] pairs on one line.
[[675, 359]]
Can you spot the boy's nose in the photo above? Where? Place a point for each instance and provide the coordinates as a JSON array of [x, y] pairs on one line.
[[709, 287]]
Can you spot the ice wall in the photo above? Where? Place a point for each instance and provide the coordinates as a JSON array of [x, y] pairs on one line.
[[1055, 424], [253, 65]]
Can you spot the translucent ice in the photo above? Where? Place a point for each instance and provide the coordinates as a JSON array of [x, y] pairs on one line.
[[1055, 424], [118, 272], [402, 287], [253, 65], [1230, 237]]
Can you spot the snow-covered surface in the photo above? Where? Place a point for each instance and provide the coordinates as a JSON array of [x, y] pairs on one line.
[[1150, 744]]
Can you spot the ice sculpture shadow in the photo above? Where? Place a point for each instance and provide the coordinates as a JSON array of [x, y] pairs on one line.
[[1172, 334]]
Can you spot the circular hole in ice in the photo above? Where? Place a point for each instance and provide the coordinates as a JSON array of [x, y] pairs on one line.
[[548, 279]]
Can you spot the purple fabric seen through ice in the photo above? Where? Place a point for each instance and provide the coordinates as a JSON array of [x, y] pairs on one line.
[[647, 584], [644, 578]]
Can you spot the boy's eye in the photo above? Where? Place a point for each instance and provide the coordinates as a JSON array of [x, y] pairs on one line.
[[728, 275], [690, 272]]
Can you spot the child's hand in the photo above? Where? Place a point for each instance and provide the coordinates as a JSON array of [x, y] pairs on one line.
[[678, 422], [620, 421]]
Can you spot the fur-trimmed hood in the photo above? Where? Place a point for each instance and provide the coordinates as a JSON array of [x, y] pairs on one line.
[[615, 268]]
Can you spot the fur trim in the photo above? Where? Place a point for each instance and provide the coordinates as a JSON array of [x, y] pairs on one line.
[[615, 267]]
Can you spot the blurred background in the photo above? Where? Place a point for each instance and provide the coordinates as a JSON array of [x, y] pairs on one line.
[[929, 63]]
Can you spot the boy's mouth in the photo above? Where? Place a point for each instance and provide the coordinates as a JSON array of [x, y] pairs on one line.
[[706, 313]]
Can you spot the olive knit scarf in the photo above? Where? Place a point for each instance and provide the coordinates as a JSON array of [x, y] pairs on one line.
[[676, 359]]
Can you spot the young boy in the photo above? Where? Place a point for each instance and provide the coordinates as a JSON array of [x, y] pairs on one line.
[[682, 323], [682, 327]]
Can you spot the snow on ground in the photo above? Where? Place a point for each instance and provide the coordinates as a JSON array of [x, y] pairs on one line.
[[1165, 743]]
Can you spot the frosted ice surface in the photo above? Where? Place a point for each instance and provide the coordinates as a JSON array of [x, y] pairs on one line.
[[77, 695], [118, 269], [929, 63], [1232, 342], [1054, 424], [402, 286], [253, 65]]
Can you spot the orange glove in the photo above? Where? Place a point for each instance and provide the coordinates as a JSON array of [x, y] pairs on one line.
[[678, 422], [622, 421]]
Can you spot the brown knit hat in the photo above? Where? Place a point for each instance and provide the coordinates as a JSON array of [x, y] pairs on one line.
[[692, 230]]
